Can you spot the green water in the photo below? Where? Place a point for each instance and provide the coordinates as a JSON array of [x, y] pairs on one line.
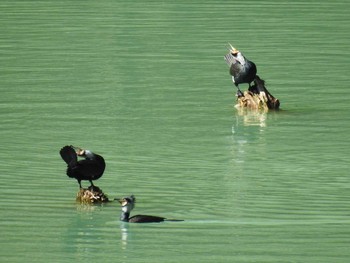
[[145, 85]]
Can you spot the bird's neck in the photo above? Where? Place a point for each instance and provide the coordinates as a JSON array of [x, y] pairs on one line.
[[89, 154], [125, 216]]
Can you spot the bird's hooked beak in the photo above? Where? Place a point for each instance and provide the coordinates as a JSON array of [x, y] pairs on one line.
[[81, 152], [122, 201], [232, 50], [78, 150]]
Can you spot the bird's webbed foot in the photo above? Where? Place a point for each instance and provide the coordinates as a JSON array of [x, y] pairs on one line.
[[93, 188]]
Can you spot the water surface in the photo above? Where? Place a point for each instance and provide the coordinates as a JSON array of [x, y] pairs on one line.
[[146, 86]]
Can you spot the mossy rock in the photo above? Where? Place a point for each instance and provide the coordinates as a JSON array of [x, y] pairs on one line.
[[91, 195], [258, 97]]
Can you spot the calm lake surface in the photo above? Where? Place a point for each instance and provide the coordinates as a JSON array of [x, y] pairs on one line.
[[145, 85]]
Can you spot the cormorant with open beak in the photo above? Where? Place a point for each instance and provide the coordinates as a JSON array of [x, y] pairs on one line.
[[242, 70]]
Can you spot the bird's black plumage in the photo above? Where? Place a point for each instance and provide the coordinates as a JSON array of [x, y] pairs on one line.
[[242, 70], [128, 204], [145, 219], [90, 168]]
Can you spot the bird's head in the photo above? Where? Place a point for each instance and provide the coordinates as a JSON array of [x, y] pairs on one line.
[[79, 151], [127, 203], [82, 152], [237, 54], [233, 50]]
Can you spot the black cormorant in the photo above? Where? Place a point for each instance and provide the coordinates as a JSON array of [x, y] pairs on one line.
[[242, 70], [90, 168], [128, 204]]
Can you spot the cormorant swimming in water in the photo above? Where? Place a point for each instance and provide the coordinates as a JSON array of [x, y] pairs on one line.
[[90, 168], [128, 204], [242, 70]]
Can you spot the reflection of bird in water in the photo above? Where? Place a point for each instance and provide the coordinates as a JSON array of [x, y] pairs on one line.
[[242, 70], [128, 204], [90, 168]]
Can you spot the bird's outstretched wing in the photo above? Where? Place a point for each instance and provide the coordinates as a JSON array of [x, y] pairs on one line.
[[69, 155]]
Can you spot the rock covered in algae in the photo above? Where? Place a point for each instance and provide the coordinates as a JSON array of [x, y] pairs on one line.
[[258, 97], [91, 195]]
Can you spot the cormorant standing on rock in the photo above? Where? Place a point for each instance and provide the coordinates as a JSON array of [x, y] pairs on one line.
[[242, 70], [90, 168]]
